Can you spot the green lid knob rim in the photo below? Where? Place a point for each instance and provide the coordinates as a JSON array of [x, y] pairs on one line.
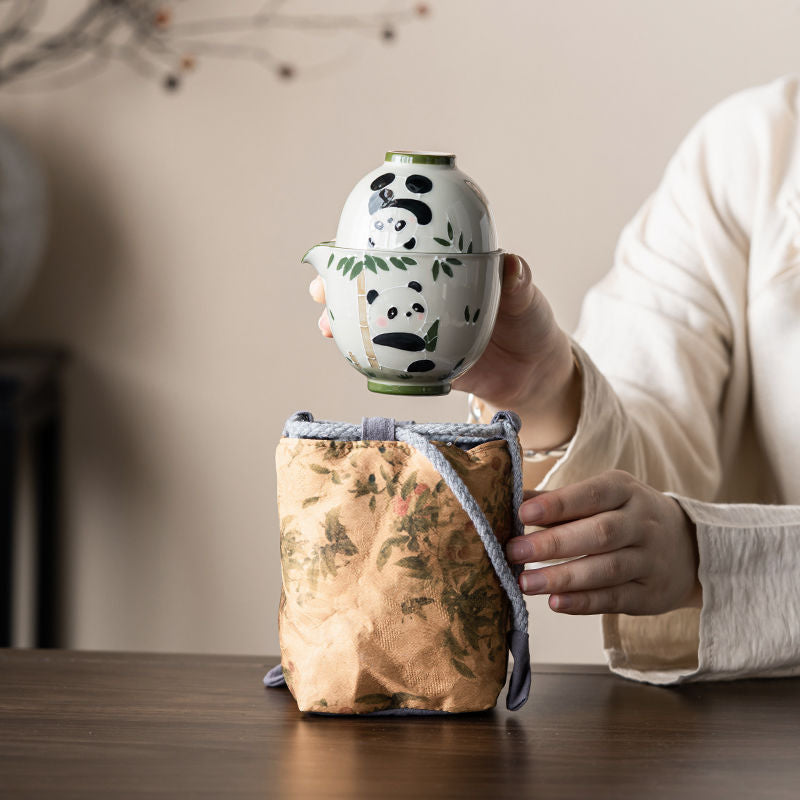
[[420, 157]]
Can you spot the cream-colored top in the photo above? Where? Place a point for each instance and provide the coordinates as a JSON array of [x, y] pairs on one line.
[[690, 353]]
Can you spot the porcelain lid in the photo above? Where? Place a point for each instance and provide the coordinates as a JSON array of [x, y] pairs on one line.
[[420, 202]]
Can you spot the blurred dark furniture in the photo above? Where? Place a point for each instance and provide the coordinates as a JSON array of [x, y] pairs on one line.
[[30, 415]]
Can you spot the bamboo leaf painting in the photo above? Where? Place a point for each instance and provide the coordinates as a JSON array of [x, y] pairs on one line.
[[432, 336], [356, 270], [397, 262]]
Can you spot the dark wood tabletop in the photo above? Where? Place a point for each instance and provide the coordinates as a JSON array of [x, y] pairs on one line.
[[118, 725]]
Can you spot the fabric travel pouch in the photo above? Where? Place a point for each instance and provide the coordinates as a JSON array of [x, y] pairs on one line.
[[397, 597]]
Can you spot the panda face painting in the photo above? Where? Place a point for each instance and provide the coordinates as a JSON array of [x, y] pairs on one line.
[[401, 309], [394, 220], [396, 317], [392, 228]]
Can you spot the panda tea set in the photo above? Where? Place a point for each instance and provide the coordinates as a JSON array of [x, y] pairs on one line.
[[396, 594], [412, 281]]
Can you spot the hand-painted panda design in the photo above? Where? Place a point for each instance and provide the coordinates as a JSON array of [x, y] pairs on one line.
[[394, 220], [401, 311]]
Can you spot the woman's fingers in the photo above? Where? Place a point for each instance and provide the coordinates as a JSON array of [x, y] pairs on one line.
[[317, 290], [586, 574], [324, 325], [601, 533], [641, 548], [611, 600], [603, 492]]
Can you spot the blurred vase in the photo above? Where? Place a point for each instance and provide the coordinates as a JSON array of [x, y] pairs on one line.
[[23, 220]]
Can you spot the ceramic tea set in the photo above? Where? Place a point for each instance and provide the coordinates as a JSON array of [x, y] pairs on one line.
[[412, 281]]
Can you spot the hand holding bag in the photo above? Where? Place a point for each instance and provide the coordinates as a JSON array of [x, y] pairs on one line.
[[397, 597]]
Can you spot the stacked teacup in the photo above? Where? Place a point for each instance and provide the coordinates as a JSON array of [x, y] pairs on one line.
[[412, 282]]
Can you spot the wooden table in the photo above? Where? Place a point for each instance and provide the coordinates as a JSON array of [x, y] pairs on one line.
[[118, 725]]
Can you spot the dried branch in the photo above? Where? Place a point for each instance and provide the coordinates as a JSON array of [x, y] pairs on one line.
[[144, 35]]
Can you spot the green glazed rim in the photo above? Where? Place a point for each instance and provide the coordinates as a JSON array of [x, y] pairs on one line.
[[412, 157], [427, 389]]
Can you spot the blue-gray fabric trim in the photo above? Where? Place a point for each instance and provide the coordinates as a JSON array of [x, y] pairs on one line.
[[519, 684], [378, 429], [274, 679]]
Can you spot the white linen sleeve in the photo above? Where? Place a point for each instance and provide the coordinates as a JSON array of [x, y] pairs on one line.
[[749, 624], [663, 352], [661, 335]]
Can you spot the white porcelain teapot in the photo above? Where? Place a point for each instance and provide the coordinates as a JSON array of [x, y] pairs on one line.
[[412, 282]]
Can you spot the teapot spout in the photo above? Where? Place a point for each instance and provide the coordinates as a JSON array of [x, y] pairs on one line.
[[318, 256]]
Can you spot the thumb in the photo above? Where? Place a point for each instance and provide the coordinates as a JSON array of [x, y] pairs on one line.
[[519, 293], [525, 321]]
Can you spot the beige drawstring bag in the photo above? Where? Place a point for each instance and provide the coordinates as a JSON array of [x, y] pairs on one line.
[[397, 597]]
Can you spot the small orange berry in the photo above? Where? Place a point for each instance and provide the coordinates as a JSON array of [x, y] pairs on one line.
[[162, 18]]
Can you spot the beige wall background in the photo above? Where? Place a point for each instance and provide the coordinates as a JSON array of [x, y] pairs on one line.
[[173, 272]]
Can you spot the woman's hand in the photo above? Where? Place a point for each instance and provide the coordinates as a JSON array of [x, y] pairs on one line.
[[527, 366], [528, 360], [640, 548], [317, 291]]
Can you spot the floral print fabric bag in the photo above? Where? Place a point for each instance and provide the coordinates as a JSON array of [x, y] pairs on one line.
[[397, 597]]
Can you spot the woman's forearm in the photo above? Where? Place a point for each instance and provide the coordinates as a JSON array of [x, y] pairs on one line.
[[551, 407]]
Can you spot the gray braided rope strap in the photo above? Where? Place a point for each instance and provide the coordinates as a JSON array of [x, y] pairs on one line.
[[505, 425]]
